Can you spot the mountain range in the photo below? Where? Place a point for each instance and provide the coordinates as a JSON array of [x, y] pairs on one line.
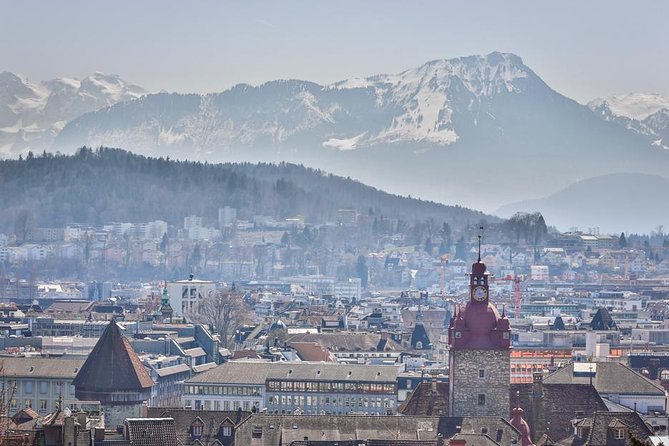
[[32, 114], [481, 131]]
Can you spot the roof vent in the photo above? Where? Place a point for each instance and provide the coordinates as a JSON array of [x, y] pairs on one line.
[[318, 372], [32, 368]]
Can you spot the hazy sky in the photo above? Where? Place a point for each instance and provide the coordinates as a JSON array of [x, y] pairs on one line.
[[583, 49]]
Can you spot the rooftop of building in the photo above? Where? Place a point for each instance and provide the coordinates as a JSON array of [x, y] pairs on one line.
[[256, 372]]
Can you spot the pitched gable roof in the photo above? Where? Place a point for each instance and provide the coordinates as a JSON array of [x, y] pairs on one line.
[[151, 432], [602, 320], [608, 377], [604, 422], [112, 365]]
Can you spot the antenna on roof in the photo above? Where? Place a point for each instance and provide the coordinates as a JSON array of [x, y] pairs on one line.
[[480, 236]]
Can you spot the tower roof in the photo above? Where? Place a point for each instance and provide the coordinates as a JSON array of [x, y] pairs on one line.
[[112, 365]]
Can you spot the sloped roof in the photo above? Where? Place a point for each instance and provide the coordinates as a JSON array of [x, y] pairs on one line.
[[602, 320], [603, 422], [427, 399], [346, 341], [112, 365], [256, 372], [609, 377], [497, 429], [211, 419], [549, 408], [16, 367], [151, 432]]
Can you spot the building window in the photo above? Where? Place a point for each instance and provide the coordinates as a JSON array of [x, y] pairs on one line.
[[28, 404], [197, 431], [227, 431], [620, 434], [481, 373], [481, 399], [43, 387], [27, 387], [42, 404]]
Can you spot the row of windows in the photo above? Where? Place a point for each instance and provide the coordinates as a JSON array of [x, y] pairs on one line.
[[324, 401], [29, 386], [328, 387], [222, 405], [223, 390], [42, 405]]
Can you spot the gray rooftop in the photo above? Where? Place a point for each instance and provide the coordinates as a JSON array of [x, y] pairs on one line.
[[608, 377], [16, 367], [256, 372]]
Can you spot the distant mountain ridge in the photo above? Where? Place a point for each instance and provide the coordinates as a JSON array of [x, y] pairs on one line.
[[615, 203], [105, 185], [479, 131], [473, 130], [418, 106], [32, 114], [646, 114]]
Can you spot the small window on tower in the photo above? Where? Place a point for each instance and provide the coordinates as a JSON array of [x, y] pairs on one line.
[[481, 399], [458, 334], [481, 373]]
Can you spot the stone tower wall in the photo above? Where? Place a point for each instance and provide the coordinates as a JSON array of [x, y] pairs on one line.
[[466, 384]]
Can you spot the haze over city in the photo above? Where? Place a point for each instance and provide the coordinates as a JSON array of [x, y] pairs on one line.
[[334, 223]]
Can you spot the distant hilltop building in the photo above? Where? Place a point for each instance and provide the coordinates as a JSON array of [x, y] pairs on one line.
[[114, 375], [226, 216]]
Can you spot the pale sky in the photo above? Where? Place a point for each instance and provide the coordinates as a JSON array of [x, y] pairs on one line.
[[582, 49]]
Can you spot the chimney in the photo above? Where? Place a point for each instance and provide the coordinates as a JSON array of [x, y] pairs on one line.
[[68, 431], [537, 385], [144, 410], [81, 419]]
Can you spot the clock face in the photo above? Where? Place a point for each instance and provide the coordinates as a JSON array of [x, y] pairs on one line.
[[480, 293]]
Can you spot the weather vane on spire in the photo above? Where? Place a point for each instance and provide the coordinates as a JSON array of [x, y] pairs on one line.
[[480, 236]]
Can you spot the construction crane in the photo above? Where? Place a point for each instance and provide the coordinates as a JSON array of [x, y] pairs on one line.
[[517, 295]]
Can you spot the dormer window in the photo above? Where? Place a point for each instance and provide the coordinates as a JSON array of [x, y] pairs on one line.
[[227, 431], [197, 431], [619, 434]]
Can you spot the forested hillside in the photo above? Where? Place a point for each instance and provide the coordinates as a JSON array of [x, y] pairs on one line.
[[106, 185]]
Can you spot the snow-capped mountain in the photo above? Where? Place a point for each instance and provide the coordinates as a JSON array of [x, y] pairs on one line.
[[32, 114], [417, 106], [647, 114], [481, 131]]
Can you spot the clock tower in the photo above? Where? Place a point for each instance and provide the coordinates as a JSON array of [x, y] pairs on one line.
[[479, 341]]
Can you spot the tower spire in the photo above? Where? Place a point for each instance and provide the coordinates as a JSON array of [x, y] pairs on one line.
[[480, 236]]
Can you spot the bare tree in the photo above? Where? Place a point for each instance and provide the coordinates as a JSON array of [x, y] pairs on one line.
[[225, 310]]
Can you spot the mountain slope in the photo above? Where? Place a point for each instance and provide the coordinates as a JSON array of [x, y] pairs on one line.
[[32, 114], [615, 203], [646, 114], [106, 185]]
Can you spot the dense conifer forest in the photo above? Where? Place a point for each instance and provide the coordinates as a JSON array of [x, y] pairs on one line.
[[102, 185]]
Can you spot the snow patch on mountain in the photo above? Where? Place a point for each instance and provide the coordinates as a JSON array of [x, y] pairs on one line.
[[344, 144], [32, 114], [643, 113], [637, 106]]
